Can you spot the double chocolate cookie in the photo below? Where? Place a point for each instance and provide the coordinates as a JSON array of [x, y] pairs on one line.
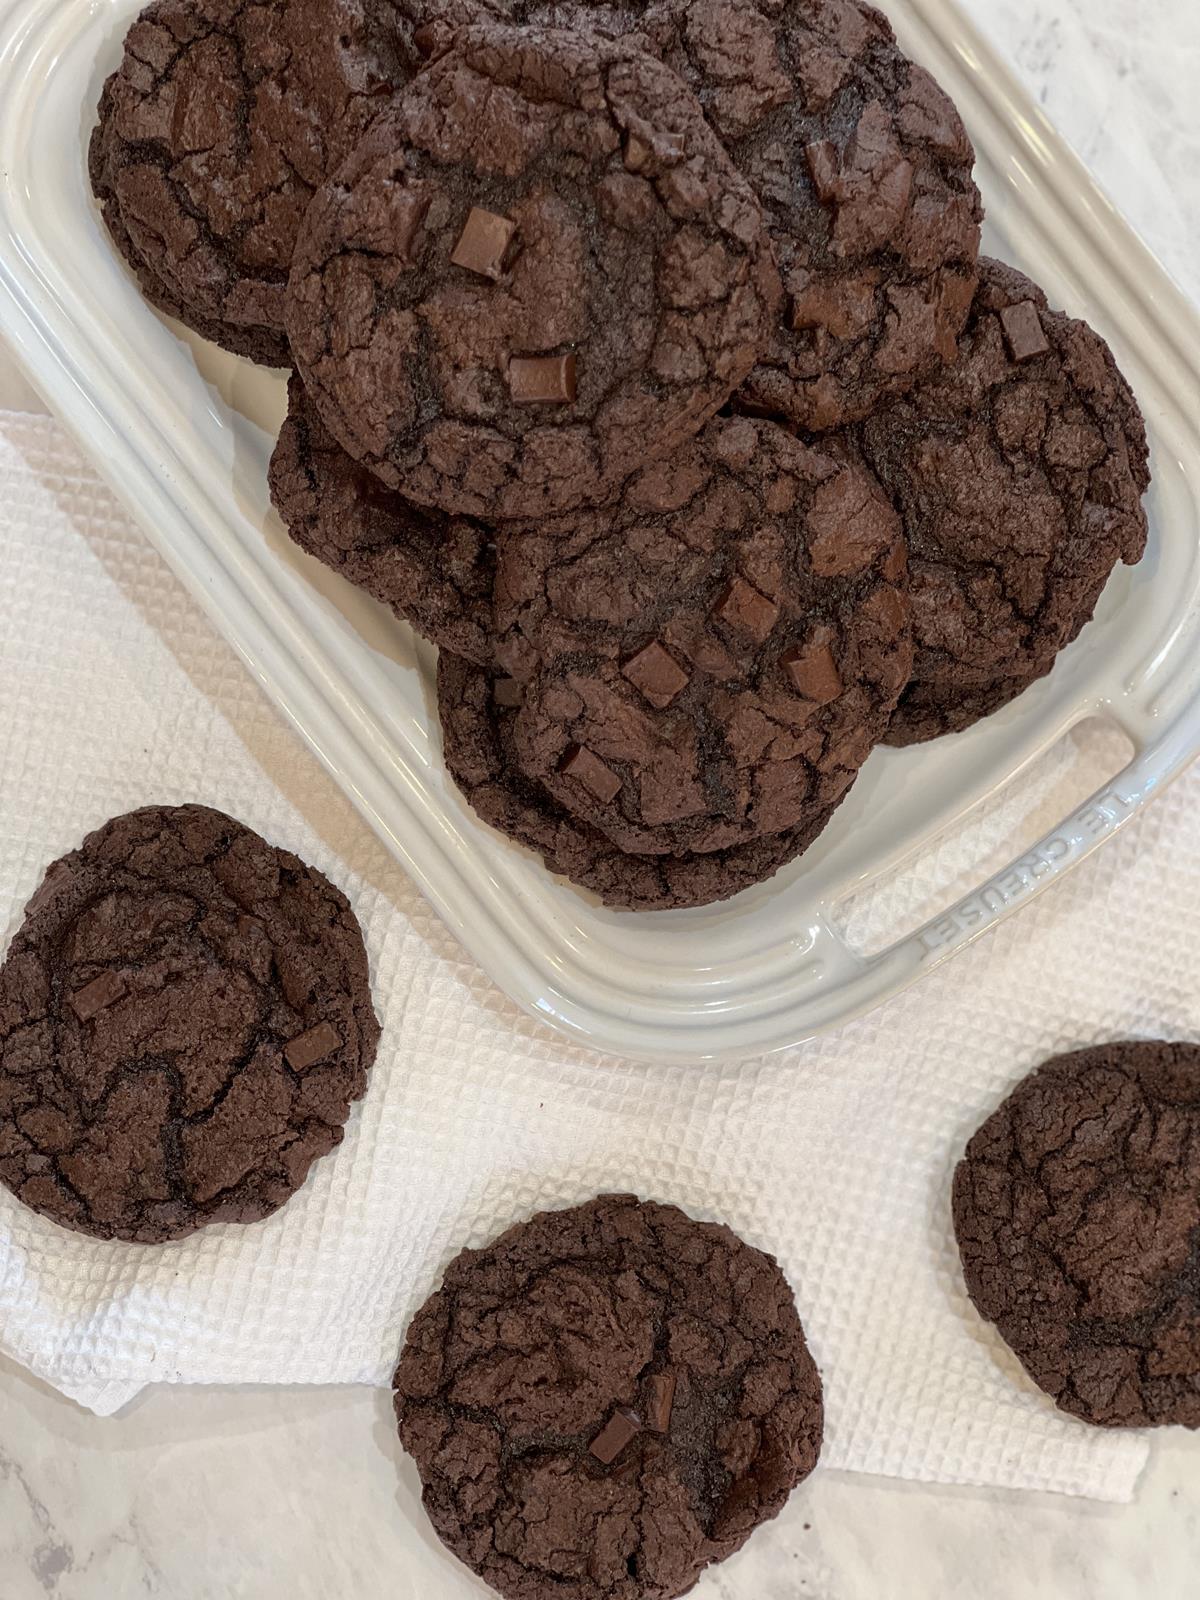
[[1019, 475], [185, 1021], [478, 711], [712, 659], [863, 167], [1077, 1211], [434, 571], [537, 273], [257, 344], [605, 1400], [222, 119]]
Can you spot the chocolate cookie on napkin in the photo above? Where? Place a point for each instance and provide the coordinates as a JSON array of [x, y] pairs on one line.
[[185, 1022], [603, 1401]]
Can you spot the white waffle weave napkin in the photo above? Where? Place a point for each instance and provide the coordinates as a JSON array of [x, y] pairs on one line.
[[115, 692]]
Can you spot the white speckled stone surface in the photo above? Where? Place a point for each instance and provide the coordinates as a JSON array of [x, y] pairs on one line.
[[303, 1494]]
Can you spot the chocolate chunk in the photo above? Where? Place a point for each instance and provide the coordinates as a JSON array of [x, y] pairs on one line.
[[741, 606], [811, 669], [656, 674], [824, 169], [406, 217], [427, 38], [1023, 331], [542, 380], [627, 1469], [507, 692], [661, 1390], [485, 245], [588, 769], [57, 878], [895, 565], [637, 154], [311, 1046], [623, 1426], [94, 996]]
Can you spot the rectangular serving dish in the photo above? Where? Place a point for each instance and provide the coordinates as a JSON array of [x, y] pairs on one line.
[[183, 434]]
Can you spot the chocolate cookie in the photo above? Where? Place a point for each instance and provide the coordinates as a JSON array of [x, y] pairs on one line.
[[605, 1400], [1077, 1211], [221, 121], [435, 572], [537, 273], [477, 711], [863, 167], [1019, 475], [713, 659], [185, 1021], [258, 344]]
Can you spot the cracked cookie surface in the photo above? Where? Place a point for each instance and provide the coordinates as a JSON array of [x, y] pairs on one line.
[[185, 1021], [537, 272], [712, 659], [610, 19], [216, 129], [1019, 475], [434, 571], [1077, 1213], [266, 346], [477, 711], [605, 1400]]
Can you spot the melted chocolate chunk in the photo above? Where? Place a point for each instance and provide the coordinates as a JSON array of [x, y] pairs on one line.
[[97, 995], [660, 1387], [313, 1045]]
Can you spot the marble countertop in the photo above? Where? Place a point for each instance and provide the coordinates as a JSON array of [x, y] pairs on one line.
[[273, 1493]]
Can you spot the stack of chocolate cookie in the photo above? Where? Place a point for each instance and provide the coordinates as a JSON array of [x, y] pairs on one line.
[[643, 360]]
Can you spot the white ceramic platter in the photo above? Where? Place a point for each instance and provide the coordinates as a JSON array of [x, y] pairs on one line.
[[183, 433]]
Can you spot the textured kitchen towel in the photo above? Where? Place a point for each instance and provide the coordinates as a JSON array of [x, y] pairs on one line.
[[115, 692]]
